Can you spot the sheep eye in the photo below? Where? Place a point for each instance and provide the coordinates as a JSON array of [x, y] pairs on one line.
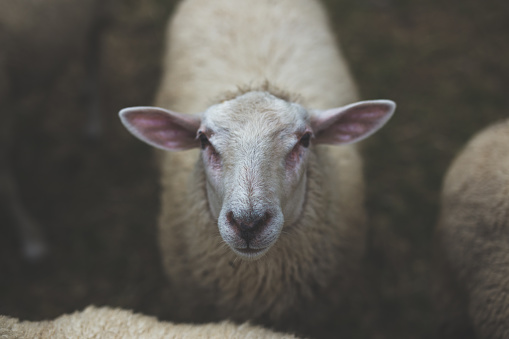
[[203, 140], [304, 141]]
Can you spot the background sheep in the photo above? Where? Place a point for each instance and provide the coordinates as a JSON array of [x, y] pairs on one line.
[[472, 235], [267, 180], [113, 323], [444, 63]]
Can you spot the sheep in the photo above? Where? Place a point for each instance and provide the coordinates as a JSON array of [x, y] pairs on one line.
[[472, 238], [110, 323], [262, 213]]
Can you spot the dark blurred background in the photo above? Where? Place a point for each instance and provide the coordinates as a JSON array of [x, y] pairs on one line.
[[67, 67]]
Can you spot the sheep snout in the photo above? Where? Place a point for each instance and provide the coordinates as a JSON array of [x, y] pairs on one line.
[[249, 227], [251, 234]]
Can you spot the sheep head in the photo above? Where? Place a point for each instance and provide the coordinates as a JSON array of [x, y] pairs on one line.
[[255, 150]]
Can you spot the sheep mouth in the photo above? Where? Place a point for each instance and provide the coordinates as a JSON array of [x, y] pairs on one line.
[[250, 253]]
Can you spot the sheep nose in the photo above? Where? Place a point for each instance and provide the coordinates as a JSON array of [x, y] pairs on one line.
[[248, 226]]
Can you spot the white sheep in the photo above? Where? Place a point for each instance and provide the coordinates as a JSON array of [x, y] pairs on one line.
[[473, 239], [114, 323], [262, 219]]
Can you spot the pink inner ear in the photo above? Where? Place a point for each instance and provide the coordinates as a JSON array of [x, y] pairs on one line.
[[351, 123], [162, 129]]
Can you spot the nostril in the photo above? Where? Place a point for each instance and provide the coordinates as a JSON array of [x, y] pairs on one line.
[[230, 218]]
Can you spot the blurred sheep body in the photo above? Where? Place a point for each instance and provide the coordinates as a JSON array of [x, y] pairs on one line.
[[291, 234], [473, 237], [114, 323]]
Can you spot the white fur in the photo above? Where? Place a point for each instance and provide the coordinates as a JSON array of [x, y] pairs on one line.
[[114, 323], [309, 253], [473, 246]]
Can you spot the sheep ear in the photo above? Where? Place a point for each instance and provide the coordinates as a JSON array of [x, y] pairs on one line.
[[351, 123], [161, 128]]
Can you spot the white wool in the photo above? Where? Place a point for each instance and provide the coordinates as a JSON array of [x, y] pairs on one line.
[[473, 247], [114, 323], [226, 53]]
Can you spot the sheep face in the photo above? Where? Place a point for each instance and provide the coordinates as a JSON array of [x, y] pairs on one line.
[[255, 149]]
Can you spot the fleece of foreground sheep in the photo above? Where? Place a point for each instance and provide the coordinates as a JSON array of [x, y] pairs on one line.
[[248, 80], [110, 323]]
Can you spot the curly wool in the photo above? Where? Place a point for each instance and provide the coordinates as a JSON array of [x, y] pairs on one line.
[[214, 49], [114, 323]]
